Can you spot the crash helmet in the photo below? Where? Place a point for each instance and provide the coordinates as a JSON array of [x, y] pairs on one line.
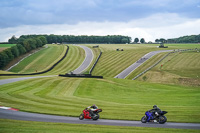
[[155, 106]]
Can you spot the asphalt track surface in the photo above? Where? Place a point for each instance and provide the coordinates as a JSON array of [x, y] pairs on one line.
[[86, 63], [17, 115], [6, 81], [135, 65]]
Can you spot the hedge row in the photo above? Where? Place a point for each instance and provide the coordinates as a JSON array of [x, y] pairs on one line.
[[21, 48]]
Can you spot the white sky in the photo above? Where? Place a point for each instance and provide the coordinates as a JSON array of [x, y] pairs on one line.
[[149, 19]]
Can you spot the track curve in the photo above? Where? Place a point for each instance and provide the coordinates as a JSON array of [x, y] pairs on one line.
[[18, 115], [86, 63]]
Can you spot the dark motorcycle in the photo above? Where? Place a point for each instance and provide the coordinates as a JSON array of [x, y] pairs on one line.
[[160, 118], [86, 114]]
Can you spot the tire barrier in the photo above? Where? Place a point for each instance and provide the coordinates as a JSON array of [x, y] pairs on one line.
[[175, 51], [95, 63], [80, 76], [42, 71]]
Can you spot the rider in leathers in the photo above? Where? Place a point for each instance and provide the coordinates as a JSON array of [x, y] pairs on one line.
[[92, 108], [155, 112]]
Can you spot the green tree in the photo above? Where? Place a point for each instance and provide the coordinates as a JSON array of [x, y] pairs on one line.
[[38, 42], [27, 45], [162, 40], [9, 54], [136, 40], [20, 40], [3, 59], [13, 40], [124, 40], [32, 43], [157, 40], [15, 51], [142, 40], [43, 39], [21, 49]]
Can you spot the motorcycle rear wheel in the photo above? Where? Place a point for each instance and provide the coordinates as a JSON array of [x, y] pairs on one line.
[[96, 117], [144, 119], [81, 117], [162, 119]]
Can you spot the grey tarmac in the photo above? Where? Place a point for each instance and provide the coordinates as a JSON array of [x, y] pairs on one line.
[[86, 63], [135, 65], [6, 81], [18, 115]]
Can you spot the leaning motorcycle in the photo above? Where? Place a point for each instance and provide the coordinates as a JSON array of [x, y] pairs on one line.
[[160, 118], [86, 114]]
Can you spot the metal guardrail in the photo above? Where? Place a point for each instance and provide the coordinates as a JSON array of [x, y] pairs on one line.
[[80, 76], [95, 63], [175, 51]]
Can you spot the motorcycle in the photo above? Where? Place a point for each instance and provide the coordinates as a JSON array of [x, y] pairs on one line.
[[160, 118], [86, 114]]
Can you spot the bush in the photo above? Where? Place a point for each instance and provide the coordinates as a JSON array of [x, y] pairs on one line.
[[3, 59], [15, 51]]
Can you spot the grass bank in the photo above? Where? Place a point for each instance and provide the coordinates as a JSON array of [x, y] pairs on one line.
[[119, 99], [48, 127], [178, 68]]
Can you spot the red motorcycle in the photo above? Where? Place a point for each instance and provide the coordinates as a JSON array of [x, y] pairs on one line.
[[86, 114]]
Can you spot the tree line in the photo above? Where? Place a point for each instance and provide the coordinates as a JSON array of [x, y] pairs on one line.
[[136, 40], [109, 39], [184, 39], [22, 46]]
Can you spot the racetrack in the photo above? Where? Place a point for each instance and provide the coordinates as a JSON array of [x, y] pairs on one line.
[[6, 81], [17, 115], [135, 65], [86, 63]]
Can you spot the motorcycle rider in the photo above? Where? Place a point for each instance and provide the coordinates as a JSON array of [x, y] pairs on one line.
[[155, 112], [92, 108]]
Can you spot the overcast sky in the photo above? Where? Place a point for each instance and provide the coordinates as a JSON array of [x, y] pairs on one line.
[[149, 19]]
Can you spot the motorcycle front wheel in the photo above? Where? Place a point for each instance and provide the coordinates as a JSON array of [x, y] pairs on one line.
[[81, 117], [144, 119], [162, 119]]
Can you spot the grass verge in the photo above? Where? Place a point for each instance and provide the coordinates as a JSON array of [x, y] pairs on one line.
[[48, 127], [119, 99]]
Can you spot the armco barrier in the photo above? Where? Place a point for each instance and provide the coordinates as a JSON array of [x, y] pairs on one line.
[[95, 63], [80, 75], [179, 50], [42, 71]]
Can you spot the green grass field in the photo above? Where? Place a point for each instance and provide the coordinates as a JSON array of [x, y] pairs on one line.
[[47, 127], [113, 62], [45, 58], [72, 61], [178, 68], [41, 60], [69, 96], [174, 87], [6, 45]]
